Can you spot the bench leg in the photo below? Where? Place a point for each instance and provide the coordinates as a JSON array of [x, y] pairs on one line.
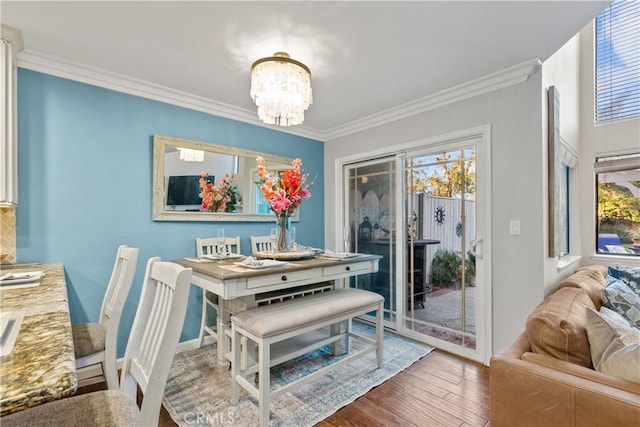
[[347, 342], [333, 331], [379, 333], [235, 365], [264, 381]]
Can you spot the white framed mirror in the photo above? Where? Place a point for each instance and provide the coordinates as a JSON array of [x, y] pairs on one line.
[[178, 165]]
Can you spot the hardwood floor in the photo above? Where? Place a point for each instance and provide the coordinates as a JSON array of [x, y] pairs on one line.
[[439, 390]]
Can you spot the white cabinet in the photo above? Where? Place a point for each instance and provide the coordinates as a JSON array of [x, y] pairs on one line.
[[10, 44]]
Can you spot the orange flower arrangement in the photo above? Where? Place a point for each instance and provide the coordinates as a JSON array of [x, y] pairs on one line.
[[285, 191], [220, 198]]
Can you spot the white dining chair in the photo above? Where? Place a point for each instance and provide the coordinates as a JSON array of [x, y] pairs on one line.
[[261, 244], [152, 344], [210, 246], [95, 344]]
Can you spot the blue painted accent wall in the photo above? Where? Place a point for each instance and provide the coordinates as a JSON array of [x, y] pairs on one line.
[[85, 161]]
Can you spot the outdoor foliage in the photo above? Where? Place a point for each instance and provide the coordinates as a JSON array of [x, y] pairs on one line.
[[447, 183], [618, 211], [446, 269], [617, 202]]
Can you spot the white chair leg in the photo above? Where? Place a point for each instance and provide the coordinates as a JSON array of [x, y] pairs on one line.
[[245, 349], [203, 320], [264, 382], [235, 365], [110, 373]]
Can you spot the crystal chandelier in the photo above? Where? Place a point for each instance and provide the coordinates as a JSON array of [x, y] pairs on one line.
[[281, 88]]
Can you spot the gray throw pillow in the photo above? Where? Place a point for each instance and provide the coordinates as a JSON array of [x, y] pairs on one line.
[[615, 348], [621, 299], [630, 276]]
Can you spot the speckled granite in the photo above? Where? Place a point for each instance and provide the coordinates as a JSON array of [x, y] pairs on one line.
[[41, 366]]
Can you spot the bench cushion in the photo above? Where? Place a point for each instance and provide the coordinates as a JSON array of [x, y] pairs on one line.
[[286, 316]]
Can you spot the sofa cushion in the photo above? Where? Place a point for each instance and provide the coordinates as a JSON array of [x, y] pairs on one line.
[[615, 348], [590, 280], [628, 275], [621, 299], [556, 327]]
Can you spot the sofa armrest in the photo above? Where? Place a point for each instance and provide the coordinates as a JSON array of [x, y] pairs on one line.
[[524, 393]]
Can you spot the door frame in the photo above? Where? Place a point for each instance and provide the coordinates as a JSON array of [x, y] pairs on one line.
[[484, 343]]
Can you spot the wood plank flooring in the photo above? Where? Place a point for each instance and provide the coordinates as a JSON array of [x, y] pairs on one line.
[[439, 390]]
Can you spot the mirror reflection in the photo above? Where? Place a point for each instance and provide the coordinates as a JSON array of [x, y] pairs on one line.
[[197, 181]]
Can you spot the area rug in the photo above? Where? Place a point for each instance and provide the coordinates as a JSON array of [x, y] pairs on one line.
[[198, 391]]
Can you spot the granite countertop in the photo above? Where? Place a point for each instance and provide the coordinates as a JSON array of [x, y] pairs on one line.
[[41, 366]]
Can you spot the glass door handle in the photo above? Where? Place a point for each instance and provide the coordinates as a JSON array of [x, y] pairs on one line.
[[476, 247]]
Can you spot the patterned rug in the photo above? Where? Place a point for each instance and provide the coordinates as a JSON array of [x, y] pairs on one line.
[[198, 392]]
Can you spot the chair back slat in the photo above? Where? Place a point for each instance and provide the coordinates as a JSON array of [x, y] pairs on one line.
[[209, 246], [260, 244], [154, 335], [151, 332]]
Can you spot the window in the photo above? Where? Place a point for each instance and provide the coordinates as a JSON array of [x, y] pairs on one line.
[[617, 61], [618, 204]]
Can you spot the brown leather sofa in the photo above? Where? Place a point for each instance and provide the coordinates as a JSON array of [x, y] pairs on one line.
[[545, 378]]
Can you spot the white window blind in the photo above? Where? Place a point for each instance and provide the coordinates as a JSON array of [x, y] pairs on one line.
[[617, 61]]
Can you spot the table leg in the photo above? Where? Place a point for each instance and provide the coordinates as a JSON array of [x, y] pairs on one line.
[[223, 325]]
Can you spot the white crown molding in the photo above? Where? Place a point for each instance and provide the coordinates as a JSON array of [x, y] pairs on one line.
[[13, 36], [120, 83], [509, 76]]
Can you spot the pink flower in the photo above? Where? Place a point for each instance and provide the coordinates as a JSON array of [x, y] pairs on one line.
[[279, 202], [284, 191]]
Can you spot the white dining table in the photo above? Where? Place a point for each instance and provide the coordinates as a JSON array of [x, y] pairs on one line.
[[239, 288]]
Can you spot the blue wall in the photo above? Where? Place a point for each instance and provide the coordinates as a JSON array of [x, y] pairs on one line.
[[85, 182]]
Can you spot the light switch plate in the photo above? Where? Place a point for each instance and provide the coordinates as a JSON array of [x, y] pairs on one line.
[[514, 226]]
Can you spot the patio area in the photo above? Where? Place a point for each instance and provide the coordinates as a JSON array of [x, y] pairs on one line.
[[441, 316]]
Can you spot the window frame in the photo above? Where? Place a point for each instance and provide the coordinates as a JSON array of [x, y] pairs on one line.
[[604, 163], [627, 22]]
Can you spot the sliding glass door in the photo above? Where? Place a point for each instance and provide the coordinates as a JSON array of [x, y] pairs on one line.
[[441, 216], [371, 217], [424, 211]]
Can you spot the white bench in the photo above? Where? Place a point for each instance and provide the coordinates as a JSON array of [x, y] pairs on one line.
[[295, 324]]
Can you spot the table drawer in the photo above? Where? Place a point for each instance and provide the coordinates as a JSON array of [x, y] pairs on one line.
[[346, 269], [279, 278]]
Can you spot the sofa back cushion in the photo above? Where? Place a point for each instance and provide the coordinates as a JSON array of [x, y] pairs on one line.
[[592, 281], [557, 326], [602, 269]]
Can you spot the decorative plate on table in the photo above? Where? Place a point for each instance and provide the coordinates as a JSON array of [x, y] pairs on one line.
[[288, 255], [18, 278], [263, 263], [338, 255], [229, 255]]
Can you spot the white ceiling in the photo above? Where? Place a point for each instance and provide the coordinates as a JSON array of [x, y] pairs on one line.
[[365, 57]]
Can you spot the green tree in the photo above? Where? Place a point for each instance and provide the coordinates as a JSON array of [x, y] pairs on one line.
[[617, 202], [447, 183]]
